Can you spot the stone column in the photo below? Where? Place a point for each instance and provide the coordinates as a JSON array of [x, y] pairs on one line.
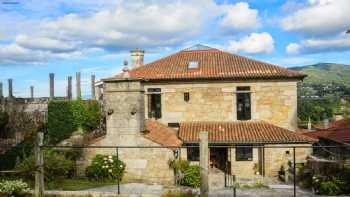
[[69, 88], [78, 85], [32, 92], [52, 85], [204, 163], [10, 88], [1, 90], [93, 94]]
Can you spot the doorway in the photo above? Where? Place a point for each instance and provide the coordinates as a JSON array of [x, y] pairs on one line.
[[218, 158]]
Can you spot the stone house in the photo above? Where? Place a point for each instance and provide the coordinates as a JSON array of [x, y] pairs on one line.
[[239, 101]]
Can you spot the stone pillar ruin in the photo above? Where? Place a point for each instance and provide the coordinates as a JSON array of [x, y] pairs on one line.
[[93, 94], [10, 88], [52, 85], [78, 83], [32, 92], [1, 90], [69, 88], [204, 163]]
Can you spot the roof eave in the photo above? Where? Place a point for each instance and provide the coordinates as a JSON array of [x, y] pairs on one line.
[[294, 78], [252, 142]]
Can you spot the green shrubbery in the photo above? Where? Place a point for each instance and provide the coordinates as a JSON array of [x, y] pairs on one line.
[[105, 167], [58, 165], [191, 173], [66, 117], [4, 118], [192, 177], [15, 188], [188, 193], [325, 178]]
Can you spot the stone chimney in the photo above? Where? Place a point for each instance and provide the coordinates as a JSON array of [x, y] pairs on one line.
[[309, 125], [137, 58], [325, 123]]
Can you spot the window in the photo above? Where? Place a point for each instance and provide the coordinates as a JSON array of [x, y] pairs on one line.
[[173, 125], [193, 65], [243, 103], [186, 96], [244, 153], [193, 154], [154, 103]]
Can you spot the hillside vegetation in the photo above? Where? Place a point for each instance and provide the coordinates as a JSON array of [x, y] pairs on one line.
[[324, 92], [325, 73]]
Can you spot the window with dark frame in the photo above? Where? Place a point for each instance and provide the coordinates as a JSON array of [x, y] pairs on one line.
[[174, 125], [154, 103], [186, 96], [193, 154], [243, 103], [244, 153]]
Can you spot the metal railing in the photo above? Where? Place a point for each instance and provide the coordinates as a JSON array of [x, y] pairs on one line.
[[230, 179]]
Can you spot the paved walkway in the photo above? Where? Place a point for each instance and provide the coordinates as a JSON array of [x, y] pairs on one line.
[[156, 190], [132, 188]]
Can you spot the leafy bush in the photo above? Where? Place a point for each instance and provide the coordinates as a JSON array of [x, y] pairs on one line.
[[56, 166], [65, 117], [188, 193], [13, 188], [331, 187], [325, 178], [87, 114], [60, 124], [8, 160], [4, 118], [189, 175], [105, 167], [179, 165], [192, 177]]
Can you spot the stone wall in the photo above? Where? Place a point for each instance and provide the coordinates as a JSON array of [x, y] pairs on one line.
[[272, 101], [23, 116], [277, 157], [274, 158], [124, 104], [243, 169]]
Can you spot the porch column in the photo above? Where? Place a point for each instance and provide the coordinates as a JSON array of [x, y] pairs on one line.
[[204, 163]]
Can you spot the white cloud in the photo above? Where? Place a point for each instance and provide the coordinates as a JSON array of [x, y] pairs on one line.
[[293, 48], [317, 45], [239, 17], [123, 25], [15, 54], [44, 43], [319, 17], [253, 43]]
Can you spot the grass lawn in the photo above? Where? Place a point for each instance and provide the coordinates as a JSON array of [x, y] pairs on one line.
[[77, 184]]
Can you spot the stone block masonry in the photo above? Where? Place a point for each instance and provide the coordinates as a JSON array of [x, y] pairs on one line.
[[124, 104], [271, 101]]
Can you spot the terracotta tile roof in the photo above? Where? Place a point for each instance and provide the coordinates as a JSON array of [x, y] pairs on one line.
[[338, 131], [338, 135], [161, 134], [213, 64], [344, 123], [240, 132]]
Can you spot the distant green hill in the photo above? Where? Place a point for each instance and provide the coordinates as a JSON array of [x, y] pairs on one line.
[[324, 73]]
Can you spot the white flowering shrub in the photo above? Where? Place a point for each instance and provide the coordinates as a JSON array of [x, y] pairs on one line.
[[105, 167], [14, 188]]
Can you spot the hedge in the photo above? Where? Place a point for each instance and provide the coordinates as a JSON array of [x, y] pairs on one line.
[[65, 117]]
